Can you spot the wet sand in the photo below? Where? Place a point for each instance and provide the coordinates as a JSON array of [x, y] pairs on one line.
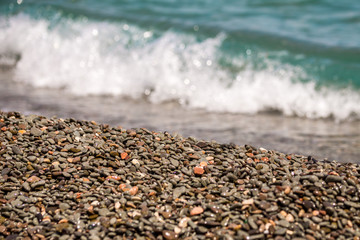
[[318, 138]]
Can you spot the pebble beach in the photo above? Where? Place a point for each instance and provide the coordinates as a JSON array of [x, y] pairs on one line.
[[71, 179]]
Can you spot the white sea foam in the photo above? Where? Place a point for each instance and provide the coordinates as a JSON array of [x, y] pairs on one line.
[[86, 57]]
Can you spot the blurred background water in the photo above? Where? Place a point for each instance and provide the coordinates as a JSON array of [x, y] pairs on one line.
[[280, 74]]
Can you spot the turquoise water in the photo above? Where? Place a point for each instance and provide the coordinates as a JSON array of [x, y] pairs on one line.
[[298, 57]]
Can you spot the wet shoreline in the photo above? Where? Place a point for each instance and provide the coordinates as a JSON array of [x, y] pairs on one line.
[[318, 138]]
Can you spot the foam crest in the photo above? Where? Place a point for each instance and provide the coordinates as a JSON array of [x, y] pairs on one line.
[[86, 57]]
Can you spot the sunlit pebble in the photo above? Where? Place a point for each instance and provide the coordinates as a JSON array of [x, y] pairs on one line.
[[184, 222], [283, 213], [33, 179], [117, 205], [169, 234], [287, 190], [177, 230], [289, 218], [133, 190], [199, 170], [203, 164], [196, 211], [117, 178], [248, 201]]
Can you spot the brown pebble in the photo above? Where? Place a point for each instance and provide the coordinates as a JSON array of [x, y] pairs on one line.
[[199, 170], [210, 197], [117, 178], [289, 218], [287, 190], [340, 198], [309, 237], [169, 235], [166, 214], [124, 155], [33, 179], [134, 190], [196, 211], [248, 201]]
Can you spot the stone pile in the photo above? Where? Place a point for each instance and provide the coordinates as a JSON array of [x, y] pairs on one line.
[[70, 179]]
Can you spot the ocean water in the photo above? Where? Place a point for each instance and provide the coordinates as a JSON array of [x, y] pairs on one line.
[[296, 57], [289, 68]]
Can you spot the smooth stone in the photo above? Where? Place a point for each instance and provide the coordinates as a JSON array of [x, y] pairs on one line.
[[280, 231], [352, 204], [103, 211], [169, 235], [26, 186], [333, 178], [283, 223], [178, 192], [64, 206], [38, 184], [35, 132], [174, 162], [309, 204], [16, 150]]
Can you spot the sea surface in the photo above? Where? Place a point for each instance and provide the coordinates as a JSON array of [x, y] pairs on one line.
[[283, 74]]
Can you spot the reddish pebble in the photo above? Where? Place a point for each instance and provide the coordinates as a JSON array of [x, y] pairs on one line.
[[287, 190], [122, 186], [196, 211], [22, 131], [203, 164], [199, 170], [133, 190], [124, 155], [117, 178], [33, 179]]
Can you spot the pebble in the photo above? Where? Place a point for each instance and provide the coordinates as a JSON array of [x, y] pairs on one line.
[[199, 170], [64, 206], [333, 178], [248, 202], [70, 179], [177, 192], [169, 235], [35, 131], [33, 179], [196, 211], [103, 211]]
